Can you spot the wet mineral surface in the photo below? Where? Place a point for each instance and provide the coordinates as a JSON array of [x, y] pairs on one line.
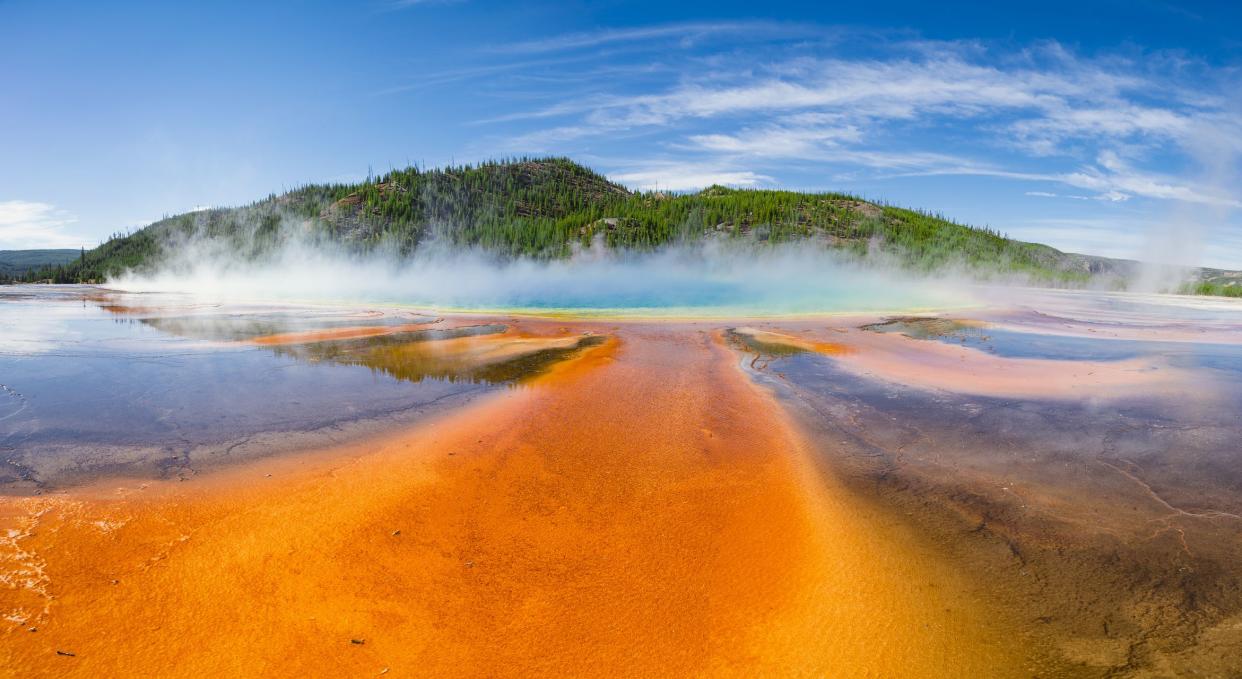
[[93, 383], [1041, 487], [1109, 522]]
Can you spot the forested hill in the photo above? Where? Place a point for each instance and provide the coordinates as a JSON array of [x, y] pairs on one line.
[[19, 262], [545, 208]]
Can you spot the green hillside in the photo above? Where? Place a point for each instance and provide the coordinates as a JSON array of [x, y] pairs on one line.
[[19, 262], [1216, 282], [545, 208]]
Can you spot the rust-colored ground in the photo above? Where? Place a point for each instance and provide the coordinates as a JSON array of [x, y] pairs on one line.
[[642, 510]]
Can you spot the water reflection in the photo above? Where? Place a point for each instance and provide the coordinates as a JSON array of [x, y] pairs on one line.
[[471, 354], [1109, 528], [238, 327], [94, 383], [1031, 340]]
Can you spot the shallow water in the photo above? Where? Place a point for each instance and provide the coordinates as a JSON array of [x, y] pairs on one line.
[[94, 383], [1029, 343], [1111, 524]]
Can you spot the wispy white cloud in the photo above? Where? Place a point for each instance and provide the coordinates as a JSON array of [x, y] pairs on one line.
[[1025, 111], [434, 78], [902, 88], [1110, 196], [1116, 180], [778, 141], [1061, 123], [1113, 184], [684, 33], [26, 225], [1114, 237], [685, 176], [547, 140]]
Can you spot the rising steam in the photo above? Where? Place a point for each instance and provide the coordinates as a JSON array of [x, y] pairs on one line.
[[703, 278]]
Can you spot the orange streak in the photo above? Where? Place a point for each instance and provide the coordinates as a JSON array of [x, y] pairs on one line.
[[641, 511], [769, 337], [328, 334]]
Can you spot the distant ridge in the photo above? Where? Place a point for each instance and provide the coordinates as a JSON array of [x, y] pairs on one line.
[[20, 262], [548, 207]]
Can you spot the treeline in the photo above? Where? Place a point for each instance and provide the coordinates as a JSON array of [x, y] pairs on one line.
[[1208, 288], [121, 252], [548, 207]]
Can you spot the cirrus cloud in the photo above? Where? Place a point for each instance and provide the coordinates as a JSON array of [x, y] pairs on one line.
[[28, 224], [1041, 113]]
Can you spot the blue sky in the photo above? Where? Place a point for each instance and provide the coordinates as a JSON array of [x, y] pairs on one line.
[[1104, 126]]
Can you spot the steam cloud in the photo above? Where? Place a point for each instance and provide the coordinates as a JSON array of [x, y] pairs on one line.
[[705, 278], [1172, 250]]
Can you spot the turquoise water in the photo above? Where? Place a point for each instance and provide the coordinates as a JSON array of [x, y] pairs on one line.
[[673, 283], [664, 296]]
